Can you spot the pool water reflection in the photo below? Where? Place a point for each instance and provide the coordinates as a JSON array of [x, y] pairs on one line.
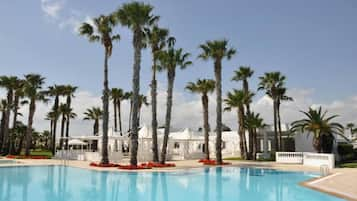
[[59, 183]]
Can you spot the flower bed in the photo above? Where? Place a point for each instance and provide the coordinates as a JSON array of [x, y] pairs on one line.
[[159, 165], [134, 167], [213, 162], [103, 165], [27, 157], [206, 161]]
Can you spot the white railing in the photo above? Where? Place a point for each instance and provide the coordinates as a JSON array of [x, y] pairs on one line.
[[306, 158], [315, 159], [289, 157]]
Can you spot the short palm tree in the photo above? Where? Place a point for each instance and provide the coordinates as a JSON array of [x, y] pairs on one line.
[[33, 91], [95, 114], [66, 113], [203, 87], [243, 74], [254, 122], [142, 102], [170, 59], [8, 83], [116, 95], [69, 93], [321, 126], [271, 82], [217, 50], [102, 32], [136, 16], [237, 99], [55, 91], [157, 40], [282, 96]]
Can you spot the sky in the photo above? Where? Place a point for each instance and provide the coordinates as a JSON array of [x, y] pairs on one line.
[[313, 43]]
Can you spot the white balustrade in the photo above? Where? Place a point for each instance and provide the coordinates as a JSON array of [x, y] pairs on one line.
[[306, 158]]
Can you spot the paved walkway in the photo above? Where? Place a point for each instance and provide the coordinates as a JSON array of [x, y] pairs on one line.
[[342, 182]]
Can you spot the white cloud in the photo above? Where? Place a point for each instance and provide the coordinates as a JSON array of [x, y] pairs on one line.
[[187, 112], [52, 8]]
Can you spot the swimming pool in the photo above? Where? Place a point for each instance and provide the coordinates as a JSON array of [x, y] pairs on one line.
[[60, 183]]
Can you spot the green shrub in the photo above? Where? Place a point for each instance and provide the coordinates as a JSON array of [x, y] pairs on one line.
[[345, 151]]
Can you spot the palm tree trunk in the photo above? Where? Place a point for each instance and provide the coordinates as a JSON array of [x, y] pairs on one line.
[[29, 126], [68, 119], [137, 42], [218, 77], [250, 131], [55, 109], [6, 134], [16, 105], [2, 128], [276, 139], [21, 143], [96, 127], [155, 150], [255, 148], [170, 86], [115, 115], [105, 157], [242, 132], [62, 130], [279, 126], [130, 112], [206, 124], [119, 117]]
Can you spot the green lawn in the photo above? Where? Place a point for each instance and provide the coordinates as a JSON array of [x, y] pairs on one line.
[[39, 153], [348, 165]]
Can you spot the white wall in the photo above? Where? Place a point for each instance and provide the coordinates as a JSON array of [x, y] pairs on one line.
[[303, 142]]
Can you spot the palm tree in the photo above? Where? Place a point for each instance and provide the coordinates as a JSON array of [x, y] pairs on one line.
[[243, 74], [96, 114], [66, 112], [69, 92], [7, 82], [102, 31], [351, 127], [317, 123], [271, 82], [3, 106], [32, 89], [55, 91], [203, 87], [217, 50], [157, 40], [128, 96], [52, 117], [18, 94], [136, 16], [169, 60], [281, 97], [237, 99], [117, 96], [254, 122]]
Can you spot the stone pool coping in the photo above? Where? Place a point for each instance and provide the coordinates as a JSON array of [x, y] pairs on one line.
[[341, 182]]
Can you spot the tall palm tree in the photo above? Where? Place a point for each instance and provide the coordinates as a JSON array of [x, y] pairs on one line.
[[18, 95], [271, 82], [102, 31], [217, 50], [317, 123], [136, 16], [7, 82], [169, 60], [96, 114], [237, 99], [243, 74], [203, 87], [281, 97], [55, 91], [69, 92], [254, 122], [117, 96], [33, 91], [157, 40]]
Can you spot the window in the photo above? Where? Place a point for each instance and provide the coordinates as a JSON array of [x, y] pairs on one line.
[[177, 145]]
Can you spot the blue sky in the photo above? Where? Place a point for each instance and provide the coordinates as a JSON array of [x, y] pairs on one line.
[[314, 43]]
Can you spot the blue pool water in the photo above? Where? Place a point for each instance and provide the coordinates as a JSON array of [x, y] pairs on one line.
[[59, 183]]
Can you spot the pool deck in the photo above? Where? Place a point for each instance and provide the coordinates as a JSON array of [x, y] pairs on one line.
[[342, 182]]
